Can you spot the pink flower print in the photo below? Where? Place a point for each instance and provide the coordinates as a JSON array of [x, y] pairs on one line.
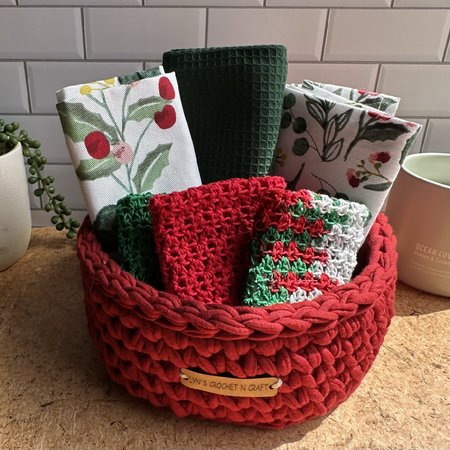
[[353, 180], [362, 92], [123, 152], [378, 115], [382, 157], [135, 83], [97, 145], [412, 124]]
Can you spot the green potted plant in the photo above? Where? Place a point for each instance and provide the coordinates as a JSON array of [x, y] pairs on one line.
[[15, 215]]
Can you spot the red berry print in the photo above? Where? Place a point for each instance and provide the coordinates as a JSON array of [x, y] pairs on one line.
[[353, 180], [166, 90], [382, 157], [362, 92], [97, 145], [165, 118], [378, 115]]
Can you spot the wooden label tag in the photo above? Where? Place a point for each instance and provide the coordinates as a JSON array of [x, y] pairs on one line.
[[235, 387]]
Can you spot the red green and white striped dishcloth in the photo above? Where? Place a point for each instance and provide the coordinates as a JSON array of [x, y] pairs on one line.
[[304, 244]]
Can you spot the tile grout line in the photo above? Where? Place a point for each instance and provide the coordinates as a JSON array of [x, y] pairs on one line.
[[156, 61], [359, 8], [83, 32], [27, 81], [377, 78], [206, 27], [446, 47], [425, 132], [325, 35]]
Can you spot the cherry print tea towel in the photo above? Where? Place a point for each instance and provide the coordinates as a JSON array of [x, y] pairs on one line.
[[126, 139]]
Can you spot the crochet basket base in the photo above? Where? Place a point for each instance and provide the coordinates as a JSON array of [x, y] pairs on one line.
[[320, 349]]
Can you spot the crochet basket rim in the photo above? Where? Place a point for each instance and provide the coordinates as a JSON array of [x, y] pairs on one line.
[[196, 319]]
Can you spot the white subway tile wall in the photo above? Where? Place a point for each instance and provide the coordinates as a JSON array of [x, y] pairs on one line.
[[45, 78], [400, 47], [422, 3], [13, 88], [41, 33], [387, 35], [424, 89], [437, 136], [142, 33], [300, 30]]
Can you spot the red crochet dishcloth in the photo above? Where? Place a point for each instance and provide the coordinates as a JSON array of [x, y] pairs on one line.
[[203, 234]]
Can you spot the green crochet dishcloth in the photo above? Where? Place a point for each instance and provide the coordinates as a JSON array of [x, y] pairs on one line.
[[136, 241], [232, 98]]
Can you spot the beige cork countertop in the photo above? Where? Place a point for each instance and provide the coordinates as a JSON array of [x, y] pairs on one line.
[[55, 393]]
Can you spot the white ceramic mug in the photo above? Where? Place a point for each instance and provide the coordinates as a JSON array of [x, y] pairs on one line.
[[418, 209]]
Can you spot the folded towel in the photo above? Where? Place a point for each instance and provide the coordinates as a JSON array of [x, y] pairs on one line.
[[202, 237], [381, 102], [304, 244], [332, 145], [126, 139], [232, 99], [136, 242]]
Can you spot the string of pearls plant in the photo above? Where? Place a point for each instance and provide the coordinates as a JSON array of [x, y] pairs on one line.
[[36, 163]]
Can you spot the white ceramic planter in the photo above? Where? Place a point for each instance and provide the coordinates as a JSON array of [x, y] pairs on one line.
[[15, 214]]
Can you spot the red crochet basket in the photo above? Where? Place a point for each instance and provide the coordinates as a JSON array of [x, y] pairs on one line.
[[320, 349]]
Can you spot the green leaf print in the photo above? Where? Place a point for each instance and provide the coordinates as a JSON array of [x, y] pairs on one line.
[[91, 169], [380, 103], [383, 132], [333, 150], [342, 119], [150, 169], [316, 112], [378, 187], [286, 120], [145, 108], [308, 85], [299, 125], [300, 146], [77, 122], [408, 144], [289, 101]]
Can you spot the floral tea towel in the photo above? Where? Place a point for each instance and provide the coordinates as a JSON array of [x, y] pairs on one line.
[[127, 139], [339, 147], [381, 102]]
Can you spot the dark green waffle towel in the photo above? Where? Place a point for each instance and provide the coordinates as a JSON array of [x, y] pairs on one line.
[[136, 241], [232, 98]]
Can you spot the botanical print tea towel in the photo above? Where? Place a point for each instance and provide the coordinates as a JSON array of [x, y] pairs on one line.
[[127, 139], [337, 146]]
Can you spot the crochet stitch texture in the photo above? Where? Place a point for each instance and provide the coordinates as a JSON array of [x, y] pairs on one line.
[[305, 243], [202, 237], [320, 349], [136, 242]]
